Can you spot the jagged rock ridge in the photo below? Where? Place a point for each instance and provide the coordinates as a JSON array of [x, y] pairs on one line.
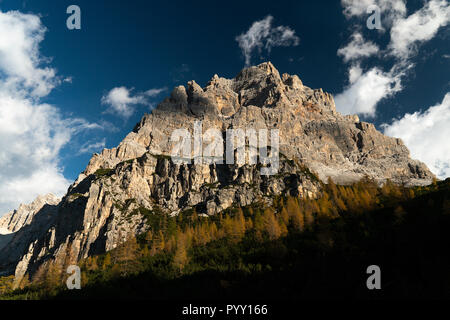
[[23, 225], [341, 147], [101, 208], [16, 219]]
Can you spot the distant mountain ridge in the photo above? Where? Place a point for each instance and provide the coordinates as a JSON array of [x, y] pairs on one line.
[[16, 219]]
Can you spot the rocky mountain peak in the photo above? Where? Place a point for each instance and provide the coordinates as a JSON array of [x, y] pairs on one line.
[[264, 72], [260, 86], [336, 146]]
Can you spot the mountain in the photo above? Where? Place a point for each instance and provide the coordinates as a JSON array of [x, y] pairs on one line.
[[330, 144], [123, 187]]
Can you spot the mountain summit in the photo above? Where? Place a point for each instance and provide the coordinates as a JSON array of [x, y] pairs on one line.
[[123, 186], [311, 130]]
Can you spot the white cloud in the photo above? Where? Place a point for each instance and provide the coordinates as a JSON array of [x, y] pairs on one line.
[[20, 63], [91, 147], [366, 90], [354, 73], [406, 31], [32, 133], [262, 35], [426, 135], [389, 8], [121, 101], [31, 138], [420, 26], [358, 48], [154, 92]]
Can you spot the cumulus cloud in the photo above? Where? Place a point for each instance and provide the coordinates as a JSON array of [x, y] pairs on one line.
[[31, 138], [406, 34], [262, 35], [121, 101], [32, 133], [421, 26], [366, 90], [426, 135], [21, 63], [390, 9], [358, 48]]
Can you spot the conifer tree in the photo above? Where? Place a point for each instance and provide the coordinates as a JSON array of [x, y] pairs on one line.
[[148, 237], [258, 223], [158, 243], [324, 207], [295, 214], [24, 282], [284, 216], [40, 275], [171, 244], [213, 231], [331, 186], [127, 255], [283, 228], [340, 204], [239, 225], [312, 208], [106, 261], [248, 224], [53, 275], [271, 225], [298, 220], [180, 258], [227, 225], [194, 216]]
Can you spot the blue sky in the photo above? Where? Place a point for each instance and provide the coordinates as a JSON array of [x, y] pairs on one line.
[[141, 45]]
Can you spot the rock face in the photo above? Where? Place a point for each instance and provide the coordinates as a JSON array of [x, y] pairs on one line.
[[16, 219], [104, 206], [20, 227], [333, 145]]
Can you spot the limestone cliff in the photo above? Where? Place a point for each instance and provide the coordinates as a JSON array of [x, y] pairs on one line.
[[333, 145], [16, 219]]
